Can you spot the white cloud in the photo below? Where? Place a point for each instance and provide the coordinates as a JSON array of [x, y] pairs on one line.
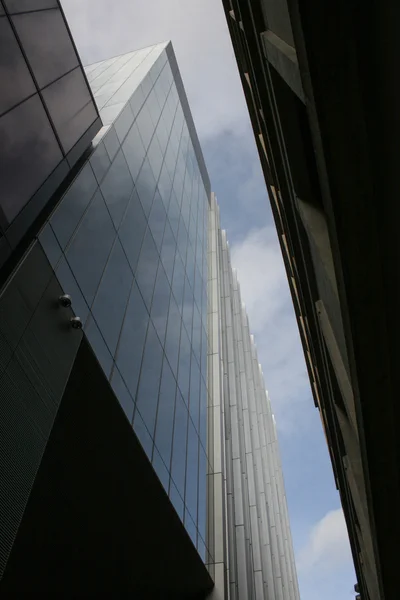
[[327, 548], [264, 290]]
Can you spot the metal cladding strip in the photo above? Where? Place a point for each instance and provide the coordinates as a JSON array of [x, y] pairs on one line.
[[218, 565], [258, 560]]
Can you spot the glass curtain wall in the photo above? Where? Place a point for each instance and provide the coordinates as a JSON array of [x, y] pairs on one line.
[[128, 242]]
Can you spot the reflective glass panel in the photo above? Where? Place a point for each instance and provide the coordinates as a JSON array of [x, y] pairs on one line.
[[131, 231], [109, 306], [179, 445], [16, 80], [131, 342], [147, 396], [48, 46], [146, 269], [28, 154], [70, 106], [117, 188], [165, 414], [90, 247]]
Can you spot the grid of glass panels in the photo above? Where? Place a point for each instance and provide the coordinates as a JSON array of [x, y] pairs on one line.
[[37, 130], [129, 243]]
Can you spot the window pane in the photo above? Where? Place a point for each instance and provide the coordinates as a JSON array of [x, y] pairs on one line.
[[157, 220], [73, 205], [90, 247], [109, 306], [178, 280], [16, 80], [192, 471], [132, 229], [47, 44], [117, 188], [155, 157], [187, 312], [165, 414], [70, 106], [179, 445], [173, 335], [29, 152], [145, 126], [184, 366], [100, 162], [145, 187], [147, 397], [131, 343], [173, 214], [165, 186], [194, 392], [146, 270], [134, 151], [168, 251], [160, 303]]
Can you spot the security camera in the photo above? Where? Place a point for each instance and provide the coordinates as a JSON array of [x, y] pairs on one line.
[[65, 300], [76, 323]]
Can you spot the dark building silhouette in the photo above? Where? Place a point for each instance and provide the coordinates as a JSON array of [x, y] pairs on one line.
[[319, 80]]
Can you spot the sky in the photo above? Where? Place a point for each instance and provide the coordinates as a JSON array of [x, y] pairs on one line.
[[198, 31]]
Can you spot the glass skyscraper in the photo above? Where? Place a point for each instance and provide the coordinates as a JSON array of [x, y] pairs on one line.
[[120, 288]]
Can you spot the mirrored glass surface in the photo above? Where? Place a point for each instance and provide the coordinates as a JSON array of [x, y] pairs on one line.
[[47, 44], [117, 188], [29, 152], [146, 269], [160, 303], [16, 80], [70, 106], [146, 187], [149, 383], [165, 414], [178, 465], [132, 338], [73, 205], [173, 335], [132, 229], [89, 249], [192, 471], [100, 162], [194, 402], [134, 151], [157, 220], [168, 249], [109, 306]]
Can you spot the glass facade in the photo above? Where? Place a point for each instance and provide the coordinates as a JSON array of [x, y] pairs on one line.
[[128, 241], [47, 113]]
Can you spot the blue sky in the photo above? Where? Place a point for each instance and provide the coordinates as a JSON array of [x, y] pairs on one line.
[[202, 45]]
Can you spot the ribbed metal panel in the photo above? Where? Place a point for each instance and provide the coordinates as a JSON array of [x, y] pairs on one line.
[[37, 351], [259, 554]]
